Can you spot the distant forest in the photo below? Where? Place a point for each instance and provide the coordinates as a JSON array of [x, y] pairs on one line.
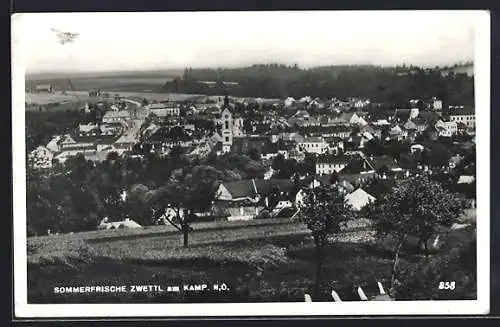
[[380, 84]]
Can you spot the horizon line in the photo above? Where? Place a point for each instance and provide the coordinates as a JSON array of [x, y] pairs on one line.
[[215, 67]]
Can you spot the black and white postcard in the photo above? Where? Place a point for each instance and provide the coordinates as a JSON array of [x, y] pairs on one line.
[[285, 163]]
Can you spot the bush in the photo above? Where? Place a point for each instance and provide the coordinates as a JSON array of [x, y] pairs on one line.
[[264, 214]]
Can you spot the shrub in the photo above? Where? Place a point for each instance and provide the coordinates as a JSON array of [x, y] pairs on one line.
[[264, 214]]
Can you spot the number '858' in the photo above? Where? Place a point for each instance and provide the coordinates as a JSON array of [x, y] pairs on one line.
[[447, 285]]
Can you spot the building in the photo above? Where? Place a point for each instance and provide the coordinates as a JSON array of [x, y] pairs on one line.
[[446, 128], [53, 144], [88, 130], [116, 116], [464, 116], [162, 110], [227, 130], [437, 104], [326, 165], [243, 200], [74, 149], [289, 102], [40, 158], [313, 144], [398, 133], [359, 199], [44, 88], [353, 119]]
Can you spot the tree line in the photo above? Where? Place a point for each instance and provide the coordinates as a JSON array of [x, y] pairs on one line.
[[75, 196], [380, 84]]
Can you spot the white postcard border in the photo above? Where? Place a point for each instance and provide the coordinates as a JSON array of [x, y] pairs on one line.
[[480, 306]]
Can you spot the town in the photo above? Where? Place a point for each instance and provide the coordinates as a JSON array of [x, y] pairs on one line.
[[131, 164], [349, 143]]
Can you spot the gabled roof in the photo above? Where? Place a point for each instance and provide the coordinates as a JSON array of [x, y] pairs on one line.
[[359, 198], [313, 139], [117, 114], [466, 179], [333, 159], [462, 112], [347, 116], [410, 125], [381, 161], [252, 187]]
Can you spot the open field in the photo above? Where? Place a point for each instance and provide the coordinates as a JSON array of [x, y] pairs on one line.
[[105, 83], [261, 260], [82, 97]]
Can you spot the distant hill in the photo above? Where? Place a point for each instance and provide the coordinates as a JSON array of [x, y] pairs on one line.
[[460, 69], [116, 74]]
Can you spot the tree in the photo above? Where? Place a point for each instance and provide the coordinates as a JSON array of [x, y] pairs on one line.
[[418, 207], [323, 210], [185, 193], [278, 162], [254, 153], [247, 126], [309, 164]]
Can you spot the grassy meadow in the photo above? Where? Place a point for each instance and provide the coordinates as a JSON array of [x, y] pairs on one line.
[[260, 261]]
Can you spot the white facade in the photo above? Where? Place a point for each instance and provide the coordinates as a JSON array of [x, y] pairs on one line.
[[227, 130], [467, 120], [313, 145], [437, 104], [327, 168], [41, 157], [115, 116], [447, 128], [289, 101]]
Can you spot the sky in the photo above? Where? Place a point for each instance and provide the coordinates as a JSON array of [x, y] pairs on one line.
[[169, 40]]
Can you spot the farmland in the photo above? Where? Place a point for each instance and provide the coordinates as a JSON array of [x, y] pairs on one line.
[[260, 261]]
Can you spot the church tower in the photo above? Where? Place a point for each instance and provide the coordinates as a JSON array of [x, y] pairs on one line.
[[227, 126]]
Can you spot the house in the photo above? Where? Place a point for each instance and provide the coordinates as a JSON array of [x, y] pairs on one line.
[[272, 149], [466, 179], [115, 116], [65, 140], [398, 133], [305, 99], [110, 129], [313, 144], [53, 144], [88, 129], [454, 161], [446, 128], [383, 162], [403, 115], [73, 150], [316, 103], [105, 224], [436, 104], [464, 115], [243, 200], [244, 144], [353, 119], [46, 88], [40, 158], [124, 143], [289, 102], [416, 148], [292, 137], [269, 173], [359, 199], [359, 104], [326, 165]]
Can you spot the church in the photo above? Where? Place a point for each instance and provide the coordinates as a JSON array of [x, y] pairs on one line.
[[232, 126]]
